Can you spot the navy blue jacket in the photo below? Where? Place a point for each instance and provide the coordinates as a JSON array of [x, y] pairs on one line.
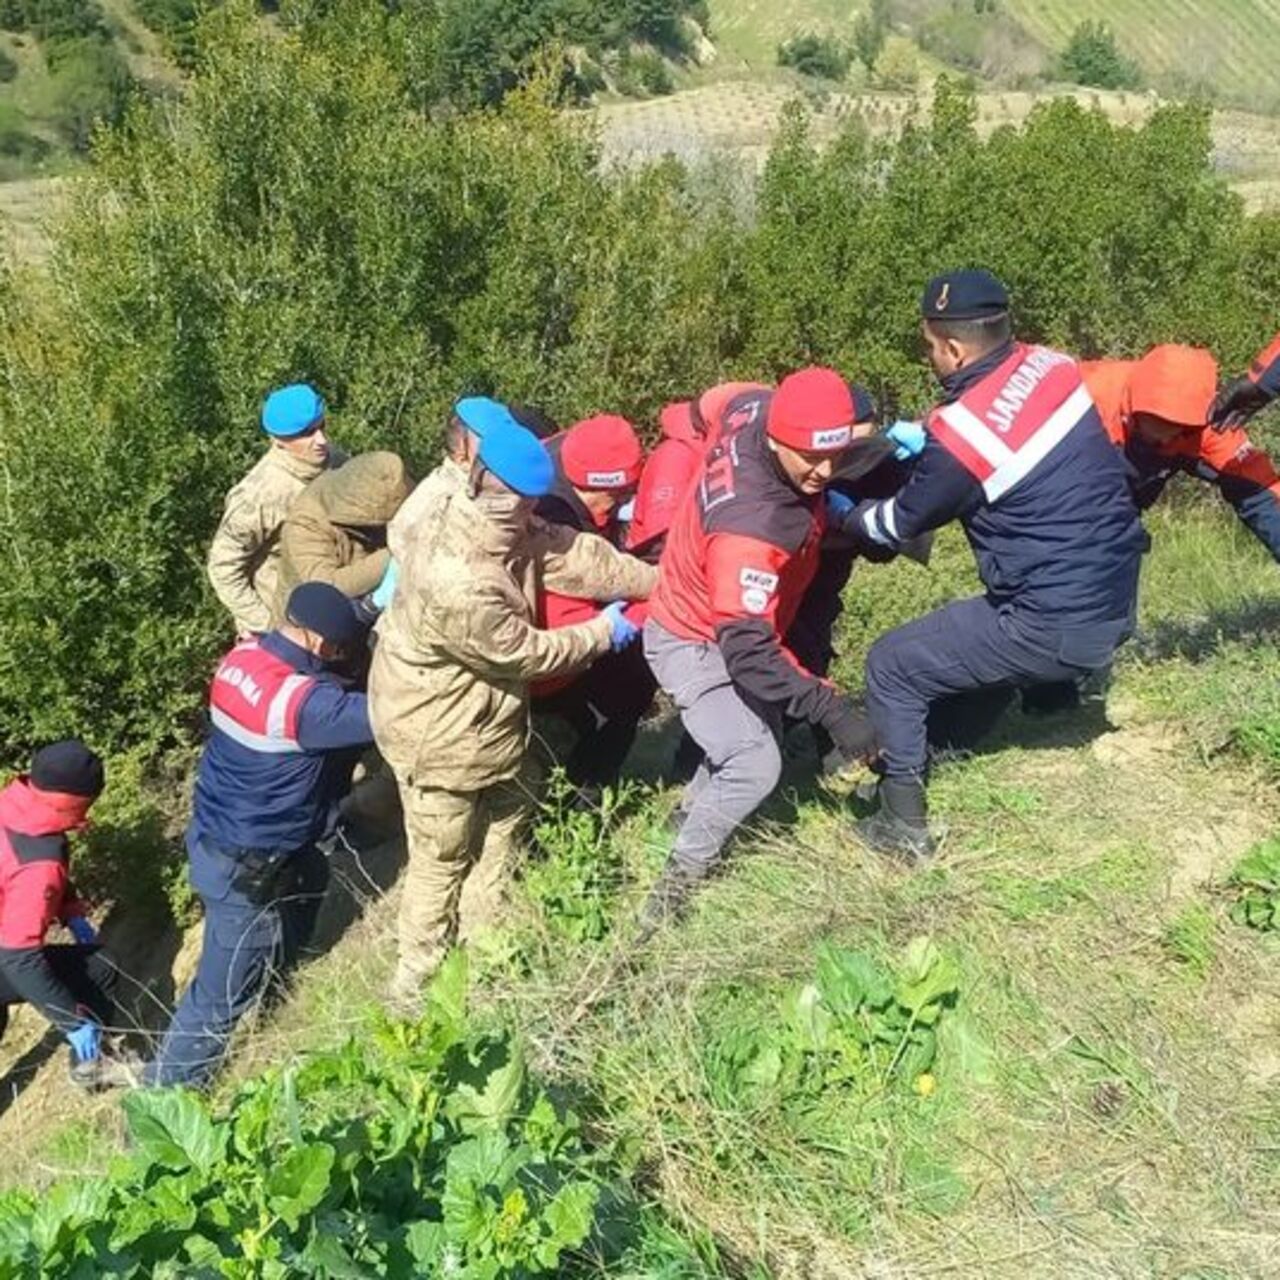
[[1061, 550], [247, 799]]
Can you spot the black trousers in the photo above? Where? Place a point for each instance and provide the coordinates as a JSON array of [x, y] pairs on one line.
[[604, 705], [87, 972]]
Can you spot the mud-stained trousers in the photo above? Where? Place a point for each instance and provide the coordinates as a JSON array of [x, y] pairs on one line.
[[742, 755], [462, 849]]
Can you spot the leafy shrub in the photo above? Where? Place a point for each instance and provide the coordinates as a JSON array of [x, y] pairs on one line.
[[898, 65], [422, 1149], [1093, 58], [8, 68], [92, 86], [857, 1025], [1255, 883], [814, 55], [175, 20], [644, 73], [54, 19], [578, 874]]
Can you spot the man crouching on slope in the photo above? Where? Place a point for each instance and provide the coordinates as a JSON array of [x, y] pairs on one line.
[[740, 556], [449, 687]]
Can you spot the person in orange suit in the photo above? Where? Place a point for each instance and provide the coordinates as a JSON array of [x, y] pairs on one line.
[[1156, 410]]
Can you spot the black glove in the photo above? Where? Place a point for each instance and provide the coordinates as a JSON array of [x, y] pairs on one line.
[[1236, 403], [851, 731]]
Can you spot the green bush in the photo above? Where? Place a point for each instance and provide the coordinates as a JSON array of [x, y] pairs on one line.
[[645, 73], [8, 68], [1093, 58], [54, 19], [91, 87], [814, 55], [299, 214]]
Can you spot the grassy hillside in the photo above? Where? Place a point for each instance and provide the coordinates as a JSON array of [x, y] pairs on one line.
[[1229, 46], [1232, 46], [1102, 1104]]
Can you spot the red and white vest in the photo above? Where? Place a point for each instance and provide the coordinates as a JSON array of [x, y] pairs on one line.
[[1003, 427], [255, 699]]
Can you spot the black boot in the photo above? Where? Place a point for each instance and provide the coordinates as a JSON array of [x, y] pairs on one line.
[[665, 904], [899, 827]]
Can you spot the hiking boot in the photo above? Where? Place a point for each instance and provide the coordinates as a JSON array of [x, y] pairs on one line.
[[112, 1069], [665, 904], [899, 827]]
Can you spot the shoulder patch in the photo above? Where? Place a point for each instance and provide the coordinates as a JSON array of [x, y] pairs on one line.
[[758, 589]]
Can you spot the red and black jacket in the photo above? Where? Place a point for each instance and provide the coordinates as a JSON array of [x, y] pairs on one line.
[[739, 558], [36, 891], [1265, 369]]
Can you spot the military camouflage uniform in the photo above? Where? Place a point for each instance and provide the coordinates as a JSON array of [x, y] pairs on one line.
[[336, 532], [244, 555], [448, 696]]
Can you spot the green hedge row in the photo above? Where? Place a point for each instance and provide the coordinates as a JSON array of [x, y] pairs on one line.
[[297, 216]]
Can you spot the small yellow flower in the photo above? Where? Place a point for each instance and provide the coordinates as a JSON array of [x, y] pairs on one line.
[[925, 1084]]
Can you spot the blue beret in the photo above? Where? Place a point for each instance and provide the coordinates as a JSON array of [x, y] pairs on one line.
[[322, 608], [964, 295], [479, 414], [519, 459], [292, 410]]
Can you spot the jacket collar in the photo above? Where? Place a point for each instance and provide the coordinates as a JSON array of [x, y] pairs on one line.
[[300, 659], [299, 468], [954, 385]]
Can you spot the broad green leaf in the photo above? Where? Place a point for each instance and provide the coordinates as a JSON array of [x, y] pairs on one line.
[[967, 1054], [65, 1208], [919, 1054], [447, 996], [16, 1210], [426, 1244], [492, 1104], [172, 1128], [932, 1184], [926, 976], [299, 1182], [201, 1251], [326, 1252], [569, 1217], [849, 980], [168, 1204]]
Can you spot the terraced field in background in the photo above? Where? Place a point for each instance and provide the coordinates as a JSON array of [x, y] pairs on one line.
[[1233, 45], [740, 116]]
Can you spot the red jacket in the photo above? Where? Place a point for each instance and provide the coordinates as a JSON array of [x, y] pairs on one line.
[[741, 554], [668, 475], [35, 888], [1265, 370]]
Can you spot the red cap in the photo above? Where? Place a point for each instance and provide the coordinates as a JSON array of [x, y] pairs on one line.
[[813, 411], [602, 453]]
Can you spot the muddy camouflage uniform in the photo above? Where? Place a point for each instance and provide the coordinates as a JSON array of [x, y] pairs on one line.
[[244, 555], [449, 698], [336, 532]]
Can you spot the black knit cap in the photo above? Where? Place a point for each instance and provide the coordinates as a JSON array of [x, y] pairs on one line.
[[964, 295], [322, 608], [68, 767]]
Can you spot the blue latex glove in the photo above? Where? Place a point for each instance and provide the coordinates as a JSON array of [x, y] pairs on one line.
[[85, 1041], [838, 506], [909, 437], [385, 589], [82, 931], [624, 630]]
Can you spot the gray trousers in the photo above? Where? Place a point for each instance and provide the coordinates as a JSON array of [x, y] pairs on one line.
[[742, 754]]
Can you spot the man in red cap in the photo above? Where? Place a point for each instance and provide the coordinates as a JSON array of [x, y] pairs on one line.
[[1156, 411], [739, 558], [598, 463], [1241, 398], [70, 984]]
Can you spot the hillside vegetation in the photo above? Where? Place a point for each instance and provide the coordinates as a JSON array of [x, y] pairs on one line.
[[1050, 1053]]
